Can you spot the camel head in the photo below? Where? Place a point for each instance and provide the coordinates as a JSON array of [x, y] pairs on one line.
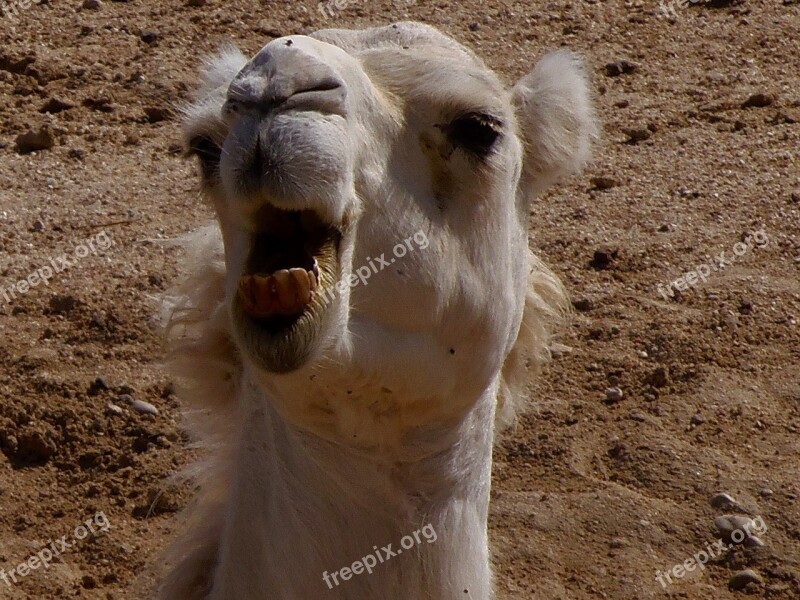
[[373, 189]]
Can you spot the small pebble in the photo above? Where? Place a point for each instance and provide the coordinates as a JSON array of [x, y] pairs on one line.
[[603, 183], [54, 106], [113, 409], [637, 134], [752, 541], [92, 4], [759, 100], [746, 307], [723, 502], [583, 305], [730, 524], [766, 492], [97, 386], [620, 67], [143, 407], [604, 258], [61, 304], [743, 578], [34, 140], [559, 349], [614, 394], [697, 420]]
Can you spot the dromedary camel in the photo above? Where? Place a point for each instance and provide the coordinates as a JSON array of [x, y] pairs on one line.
[[361, 321]]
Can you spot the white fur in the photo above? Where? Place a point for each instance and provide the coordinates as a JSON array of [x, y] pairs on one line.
[[557, 119], [390, 425]]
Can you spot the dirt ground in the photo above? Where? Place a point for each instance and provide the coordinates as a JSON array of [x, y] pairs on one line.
[[654, 404]]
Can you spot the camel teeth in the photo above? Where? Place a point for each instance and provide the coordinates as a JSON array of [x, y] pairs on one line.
[[285, 288], [302, 284], [264, 291], [286, 292]]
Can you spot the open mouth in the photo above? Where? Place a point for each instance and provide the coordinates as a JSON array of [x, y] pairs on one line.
[[292, 257], [293, 262]]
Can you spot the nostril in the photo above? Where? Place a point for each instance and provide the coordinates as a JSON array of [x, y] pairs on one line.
[[326, 85], [281, 93], [325, 95], [256, 168]]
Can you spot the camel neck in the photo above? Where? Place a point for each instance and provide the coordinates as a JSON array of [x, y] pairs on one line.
[[311, 518]]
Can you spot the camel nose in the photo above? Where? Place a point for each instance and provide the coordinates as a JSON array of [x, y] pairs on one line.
[[286, 75], [289, 95]]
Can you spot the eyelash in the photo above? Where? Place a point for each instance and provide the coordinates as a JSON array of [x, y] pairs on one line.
[[475, 132]]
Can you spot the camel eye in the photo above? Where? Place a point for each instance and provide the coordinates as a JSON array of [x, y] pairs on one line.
[[475, 132], [209, 153]]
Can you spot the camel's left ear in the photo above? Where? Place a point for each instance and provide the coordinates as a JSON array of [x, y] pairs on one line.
[[557, 121]]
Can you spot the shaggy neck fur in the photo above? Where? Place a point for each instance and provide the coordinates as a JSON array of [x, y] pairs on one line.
[[300, 505]]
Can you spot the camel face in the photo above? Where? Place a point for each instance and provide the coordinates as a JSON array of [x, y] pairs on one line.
[[368, 188]]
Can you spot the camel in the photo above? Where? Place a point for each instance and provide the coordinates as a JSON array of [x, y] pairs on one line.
[[347, 421]]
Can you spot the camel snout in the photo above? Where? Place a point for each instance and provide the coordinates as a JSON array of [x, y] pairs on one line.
[[287, 75]]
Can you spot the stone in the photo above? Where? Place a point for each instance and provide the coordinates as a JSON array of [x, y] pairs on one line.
[[758, 100], [143, 407], [35, 140], [741, 579]]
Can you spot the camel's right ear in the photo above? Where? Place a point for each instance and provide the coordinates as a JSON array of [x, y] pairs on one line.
[[556, 118]]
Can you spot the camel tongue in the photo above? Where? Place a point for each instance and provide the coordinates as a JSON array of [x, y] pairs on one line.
[[285, 293]]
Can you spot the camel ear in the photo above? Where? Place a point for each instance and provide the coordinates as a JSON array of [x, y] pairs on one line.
[[557, 121]]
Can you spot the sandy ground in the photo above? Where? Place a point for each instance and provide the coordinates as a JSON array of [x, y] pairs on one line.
[[593, 492]]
